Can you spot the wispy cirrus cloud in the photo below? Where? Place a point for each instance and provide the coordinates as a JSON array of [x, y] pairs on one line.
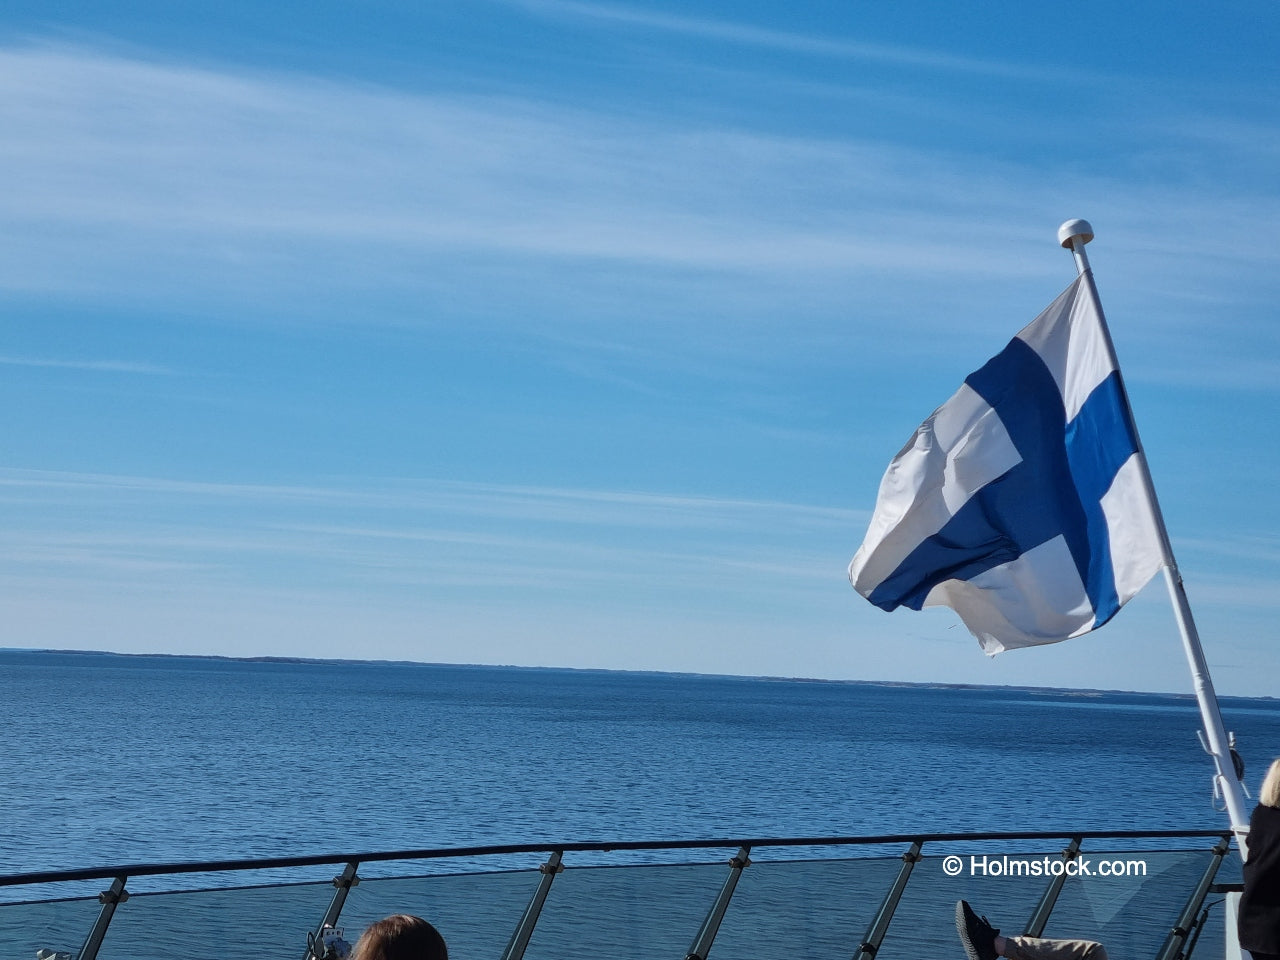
[[152, 175], [147, 154], [368, 538], [257, 195], [541, 504], [89, 366], [175, 150], [727, 31]]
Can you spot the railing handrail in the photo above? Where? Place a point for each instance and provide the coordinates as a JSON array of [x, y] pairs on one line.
[[437, 853]]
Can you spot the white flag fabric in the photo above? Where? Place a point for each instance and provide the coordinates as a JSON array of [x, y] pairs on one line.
[[1021, 502]]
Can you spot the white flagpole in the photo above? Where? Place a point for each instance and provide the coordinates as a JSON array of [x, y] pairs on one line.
[[1073, 235]]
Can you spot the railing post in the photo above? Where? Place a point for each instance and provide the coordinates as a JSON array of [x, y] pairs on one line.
[[711, 925], [879, 925], [110, 899], [1040, 916], [524, 929], [1173, 943], [1195, 936], [342, 884]]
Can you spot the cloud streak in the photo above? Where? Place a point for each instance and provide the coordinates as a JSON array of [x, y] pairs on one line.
[[559, 504], [781, 40], [89, 366], [134, 170], [592, 547]]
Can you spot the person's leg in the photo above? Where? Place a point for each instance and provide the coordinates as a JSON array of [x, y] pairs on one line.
[[1035, 948], [982, 941]]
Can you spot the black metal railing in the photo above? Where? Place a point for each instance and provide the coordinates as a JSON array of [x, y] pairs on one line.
[[861, 897]]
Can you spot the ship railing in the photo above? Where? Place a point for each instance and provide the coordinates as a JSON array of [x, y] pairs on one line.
[[866, 897]]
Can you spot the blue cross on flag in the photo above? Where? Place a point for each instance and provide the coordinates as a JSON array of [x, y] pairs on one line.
[[1022, 503]]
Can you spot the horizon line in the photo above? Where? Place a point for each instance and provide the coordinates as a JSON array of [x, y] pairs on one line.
[[775, 678]]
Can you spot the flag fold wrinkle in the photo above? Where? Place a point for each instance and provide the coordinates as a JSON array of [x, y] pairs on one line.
[[1021, 503]]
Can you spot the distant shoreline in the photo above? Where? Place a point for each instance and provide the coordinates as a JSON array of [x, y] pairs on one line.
[[913, 684]]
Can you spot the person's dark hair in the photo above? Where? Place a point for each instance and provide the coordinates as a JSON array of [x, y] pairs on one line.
[[400, 937]]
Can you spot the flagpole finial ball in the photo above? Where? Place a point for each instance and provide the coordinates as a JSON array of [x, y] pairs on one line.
[[1072, 229]]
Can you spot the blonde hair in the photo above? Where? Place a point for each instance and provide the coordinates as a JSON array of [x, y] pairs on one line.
[[400, 937], [1270, 793]]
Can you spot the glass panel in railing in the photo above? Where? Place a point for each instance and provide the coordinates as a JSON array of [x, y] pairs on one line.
[[59, 926], [475, 913], [265, 921], [1131, 913], [1003, 884], [812, 908], [626, 913], [1230, 871]]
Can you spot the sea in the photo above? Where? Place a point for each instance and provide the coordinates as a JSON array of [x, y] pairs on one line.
[[124, 759], [145, 759]]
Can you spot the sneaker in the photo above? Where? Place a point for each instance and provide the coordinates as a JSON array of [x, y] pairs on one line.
[[977, 936]]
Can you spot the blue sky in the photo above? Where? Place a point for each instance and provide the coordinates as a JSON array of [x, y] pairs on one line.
[[556, 332]]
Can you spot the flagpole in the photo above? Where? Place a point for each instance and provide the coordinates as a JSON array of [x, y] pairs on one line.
[[1073, 235]]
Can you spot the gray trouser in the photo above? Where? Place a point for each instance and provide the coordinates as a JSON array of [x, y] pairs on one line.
[[1032, 948]]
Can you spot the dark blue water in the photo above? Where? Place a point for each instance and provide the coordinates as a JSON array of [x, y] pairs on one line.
[[113, 759]]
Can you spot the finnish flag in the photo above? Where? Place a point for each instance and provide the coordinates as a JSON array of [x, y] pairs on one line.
[[1023, 502]]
